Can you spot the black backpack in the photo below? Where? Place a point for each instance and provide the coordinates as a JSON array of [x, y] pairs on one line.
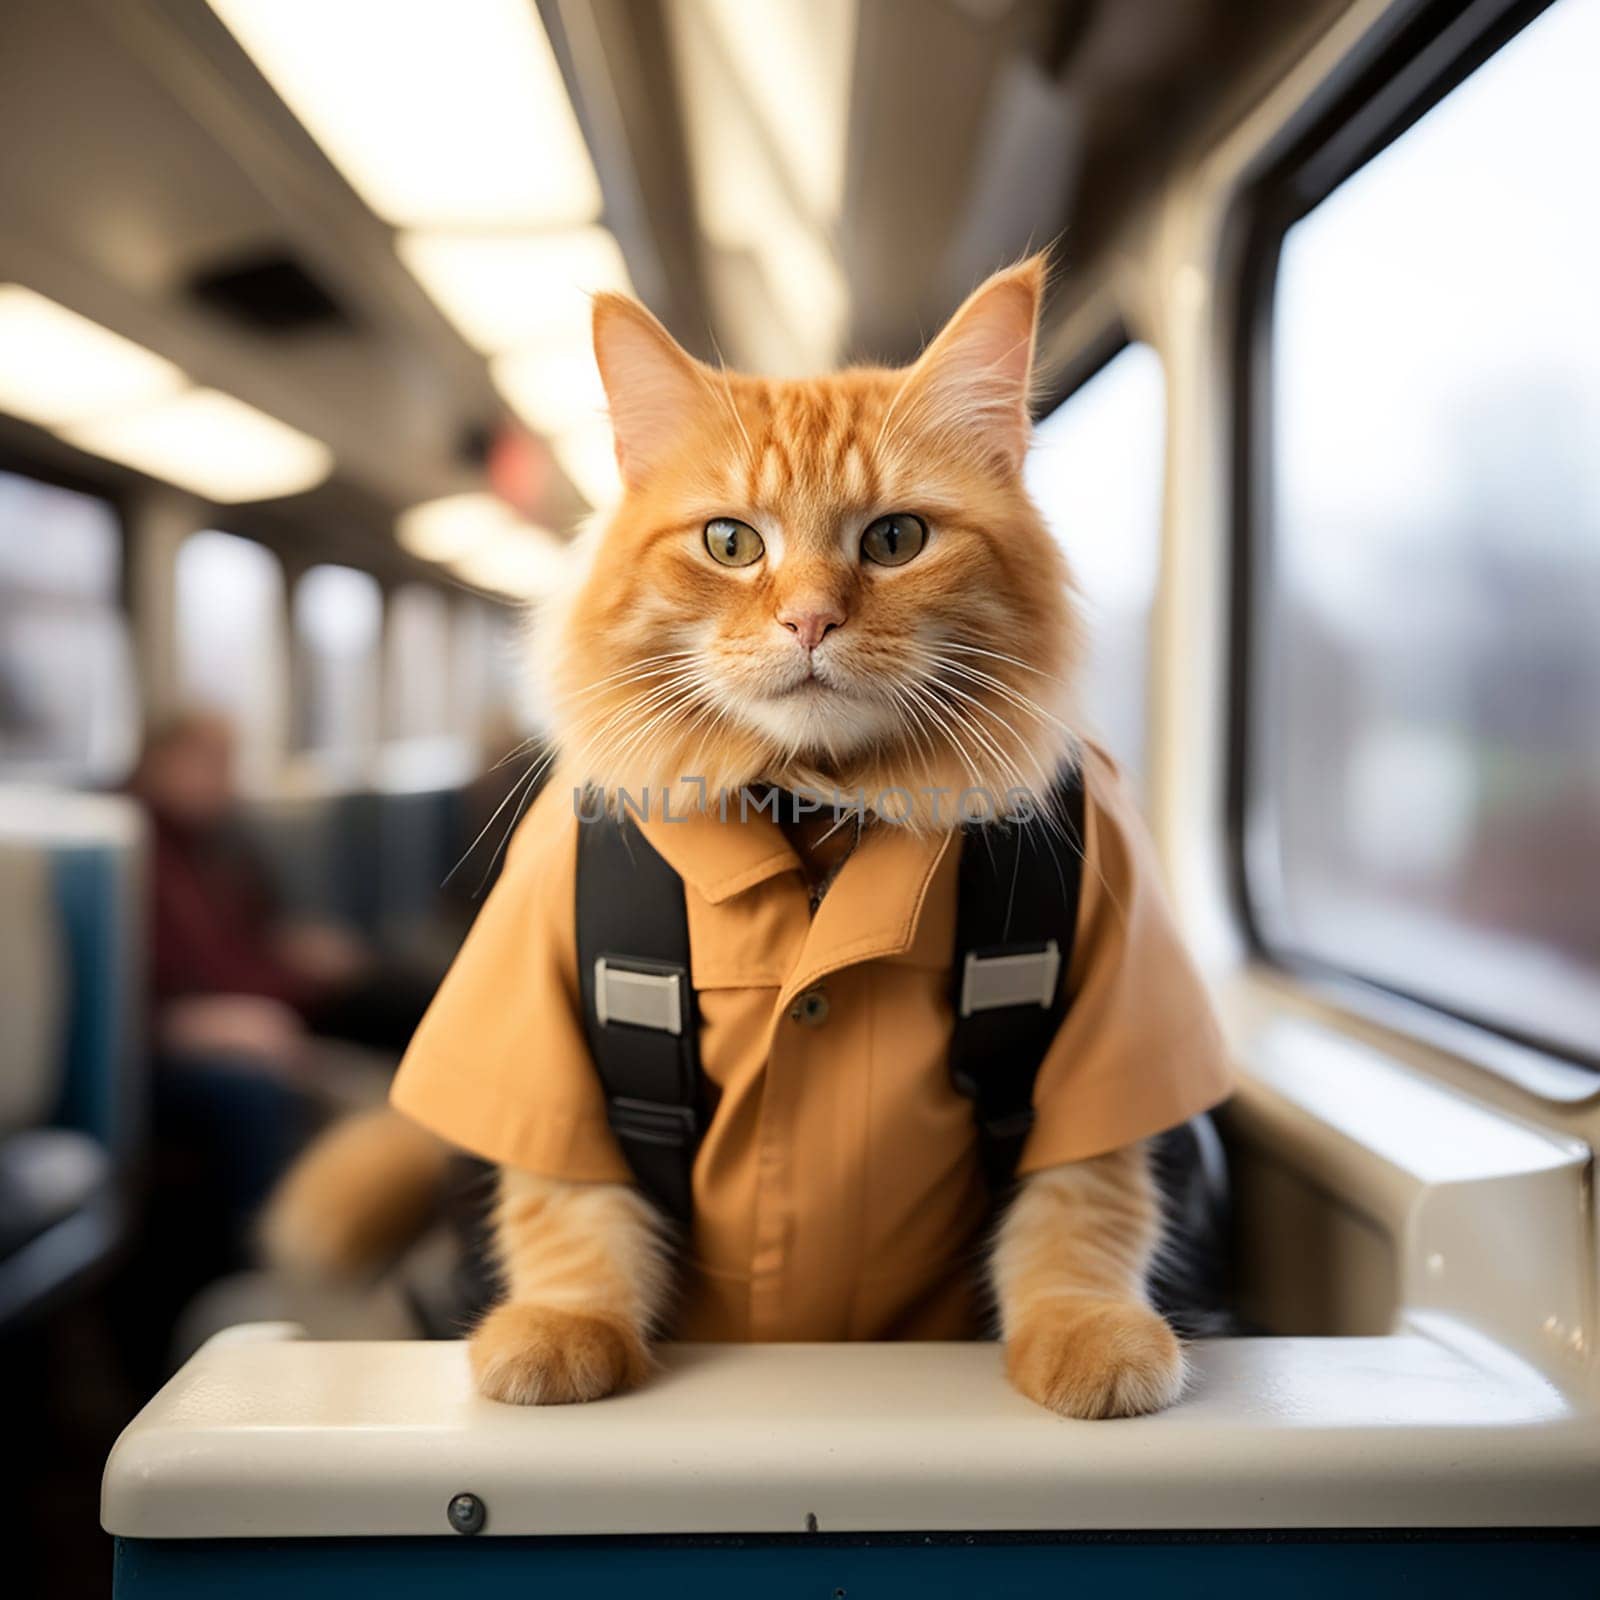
[[1017, 914]]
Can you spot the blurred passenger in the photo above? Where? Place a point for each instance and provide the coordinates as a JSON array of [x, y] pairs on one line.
[[372, 1183], [242, 1004], [230, 975]]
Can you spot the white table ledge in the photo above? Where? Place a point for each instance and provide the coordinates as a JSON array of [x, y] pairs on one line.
[[264, 1436]]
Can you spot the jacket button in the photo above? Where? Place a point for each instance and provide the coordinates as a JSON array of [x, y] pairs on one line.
[[811, 1008]]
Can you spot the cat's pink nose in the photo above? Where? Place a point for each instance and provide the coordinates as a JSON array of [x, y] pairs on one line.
[[809, 624]]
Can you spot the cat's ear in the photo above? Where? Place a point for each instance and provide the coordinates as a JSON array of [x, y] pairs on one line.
[[974, 379], [652, 383]]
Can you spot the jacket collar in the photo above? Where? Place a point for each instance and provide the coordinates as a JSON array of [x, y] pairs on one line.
[[718, 851], [872, 908]]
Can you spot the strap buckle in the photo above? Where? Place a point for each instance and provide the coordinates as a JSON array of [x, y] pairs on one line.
[[1013, 1125], [639, 994], [651, 1122], [1024, 978]]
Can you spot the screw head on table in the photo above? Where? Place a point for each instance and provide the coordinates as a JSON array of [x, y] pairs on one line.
[[466, 1513]]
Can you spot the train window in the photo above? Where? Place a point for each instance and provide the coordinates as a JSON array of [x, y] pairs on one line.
[[1095, 473], [490, 676], [1425, 753], [232, 644], [416, 649], [68, 709], [338, 624], [427, 742]]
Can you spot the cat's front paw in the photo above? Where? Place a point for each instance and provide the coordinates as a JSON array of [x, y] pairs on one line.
[[538, 1356], [1086, 1357]]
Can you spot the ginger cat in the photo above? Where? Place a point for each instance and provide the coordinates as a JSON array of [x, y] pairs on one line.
[[778, 633]]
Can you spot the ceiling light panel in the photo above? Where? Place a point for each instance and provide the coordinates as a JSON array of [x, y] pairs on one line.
[[520, 289], [57, 368], [448, 529], [485, 543], [752, 203], [791, 60], [552, 388], [521, 562], [438, 115], [211, 444]]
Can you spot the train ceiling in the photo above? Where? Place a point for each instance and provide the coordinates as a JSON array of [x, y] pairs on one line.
[[786, 182]]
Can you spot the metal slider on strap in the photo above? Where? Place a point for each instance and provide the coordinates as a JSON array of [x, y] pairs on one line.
[[638, 997], [650, 1123], [1012, 1126], [1027, 978]]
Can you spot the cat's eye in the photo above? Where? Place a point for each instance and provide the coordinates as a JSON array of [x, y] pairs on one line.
[[733, 544], [892, 541]]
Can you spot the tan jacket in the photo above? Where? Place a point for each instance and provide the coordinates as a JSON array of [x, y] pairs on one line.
[[837, 1192]]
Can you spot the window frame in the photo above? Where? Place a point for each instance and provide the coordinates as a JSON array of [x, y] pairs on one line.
[[1083, 365], [1433, 52], [24, 464]]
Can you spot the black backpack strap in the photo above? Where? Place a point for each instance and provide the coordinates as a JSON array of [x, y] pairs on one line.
[[638, 1006], [1016, 920], [1192, 1282], [1020, 890]]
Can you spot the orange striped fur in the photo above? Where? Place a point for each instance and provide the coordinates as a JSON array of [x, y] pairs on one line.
[[952, 671], [586, 1279], [1068, 1268], [357, 1197]]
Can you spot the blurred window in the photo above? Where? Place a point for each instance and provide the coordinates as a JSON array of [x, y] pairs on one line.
[[232, 644], [426, 744], [1427, 714], [1095, 472], [68, 698], [417, 664], [338, 626], [493, 681]]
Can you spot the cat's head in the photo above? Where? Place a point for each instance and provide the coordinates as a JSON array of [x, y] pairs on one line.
[[836, 581]]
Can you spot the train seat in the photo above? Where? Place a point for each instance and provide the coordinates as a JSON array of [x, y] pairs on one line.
[[70, 1110], [372, 859]]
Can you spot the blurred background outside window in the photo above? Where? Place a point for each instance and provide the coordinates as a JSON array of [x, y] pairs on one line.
[[1095, 472], [434, 725], [338, 629], [1430, 691], [232, 646], [417, 688], [68, 705]]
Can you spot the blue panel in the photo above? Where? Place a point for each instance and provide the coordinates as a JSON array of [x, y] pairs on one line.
[[94, 922], [1201, 1567]]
